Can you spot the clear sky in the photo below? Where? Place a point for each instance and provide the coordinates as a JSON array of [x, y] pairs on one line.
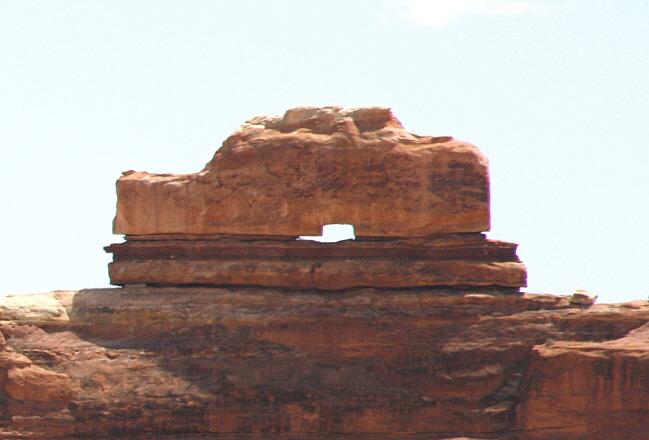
[[554, 92]]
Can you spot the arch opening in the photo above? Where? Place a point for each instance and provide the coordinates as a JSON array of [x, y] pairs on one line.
[[332, 233]]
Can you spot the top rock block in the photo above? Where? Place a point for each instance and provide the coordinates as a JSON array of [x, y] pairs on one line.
[[290, 175]]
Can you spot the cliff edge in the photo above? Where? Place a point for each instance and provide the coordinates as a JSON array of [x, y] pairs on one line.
[[251, 362]]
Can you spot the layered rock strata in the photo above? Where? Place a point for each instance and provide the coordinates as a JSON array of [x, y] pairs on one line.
[[418, 205], [453, 260], [416, 329], [258, 363]]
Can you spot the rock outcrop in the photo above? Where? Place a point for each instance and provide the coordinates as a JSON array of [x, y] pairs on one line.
[[453, 260], [290, 175], [418, 205], [227, 326], [251, 362]]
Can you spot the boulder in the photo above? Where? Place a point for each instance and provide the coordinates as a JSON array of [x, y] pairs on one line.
[[583, 297]]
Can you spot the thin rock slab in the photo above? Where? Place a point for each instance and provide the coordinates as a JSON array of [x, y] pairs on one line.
[[454, 260]]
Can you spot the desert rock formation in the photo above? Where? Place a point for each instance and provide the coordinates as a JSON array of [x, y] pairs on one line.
[[227, 326], [253, 363], [419, 205], [290, 175]]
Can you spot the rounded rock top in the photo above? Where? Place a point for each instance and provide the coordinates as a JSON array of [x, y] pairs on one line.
[[324, 119], [291, 174]]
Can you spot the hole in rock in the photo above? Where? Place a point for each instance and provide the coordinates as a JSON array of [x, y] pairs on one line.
[[333, 233]]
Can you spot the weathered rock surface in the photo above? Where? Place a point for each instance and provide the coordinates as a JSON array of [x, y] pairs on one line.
[[290, 175], [587, 389], [487, 363], [445, 260], [416, 329], [418, 205]]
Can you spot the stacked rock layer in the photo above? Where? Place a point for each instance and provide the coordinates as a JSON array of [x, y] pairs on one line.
[[418, 205]]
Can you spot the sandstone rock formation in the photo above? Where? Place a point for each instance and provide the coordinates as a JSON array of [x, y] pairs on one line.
[[258, 363], [228, 327], [455, 260], [418, 205], [291, 175]]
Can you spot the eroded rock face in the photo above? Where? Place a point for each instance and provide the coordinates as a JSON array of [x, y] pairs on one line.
[[418, 205], [290, 175], [450, 260], [585, 389], [258, 363], [35, 399], [415, 330]]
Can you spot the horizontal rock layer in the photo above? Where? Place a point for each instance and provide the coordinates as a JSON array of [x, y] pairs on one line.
[[452, 260], [364, 363], [290, 175]]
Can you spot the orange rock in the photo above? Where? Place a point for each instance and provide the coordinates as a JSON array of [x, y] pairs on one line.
[[39, 385], [453, 260], [588, 389], [417, 203], [290, 175], [256, 363]]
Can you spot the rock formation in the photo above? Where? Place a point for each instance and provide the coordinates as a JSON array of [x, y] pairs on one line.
[[290, 175], [228, 327], [418, 205], [258, 363]]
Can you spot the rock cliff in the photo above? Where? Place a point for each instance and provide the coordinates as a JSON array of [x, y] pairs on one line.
[[225, 325], [251, 362]]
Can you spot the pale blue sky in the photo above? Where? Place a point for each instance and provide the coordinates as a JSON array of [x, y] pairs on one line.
[[554, 92]]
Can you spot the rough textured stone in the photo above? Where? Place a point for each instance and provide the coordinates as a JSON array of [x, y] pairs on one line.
[[35, 308], [255, 363], [416, 329], [585, 390], [35, 400], [451, 260], [583, 297], [290, 175], [417, 204], [55, 388]]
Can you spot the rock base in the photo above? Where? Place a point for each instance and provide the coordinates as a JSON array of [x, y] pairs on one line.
[[259, 363], [454, 260]]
